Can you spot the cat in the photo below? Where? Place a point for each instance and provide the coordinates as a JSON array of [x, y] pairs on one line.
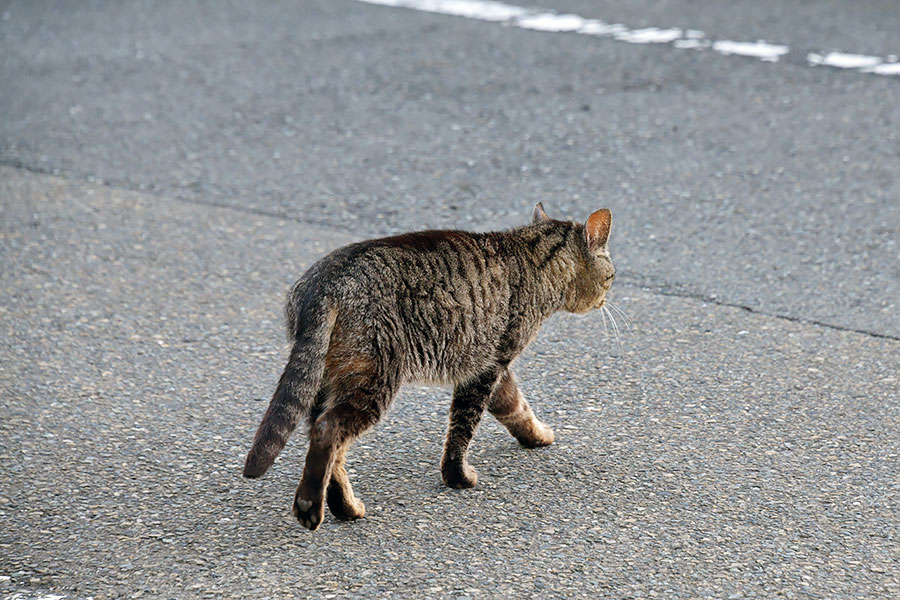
[[445, 307]]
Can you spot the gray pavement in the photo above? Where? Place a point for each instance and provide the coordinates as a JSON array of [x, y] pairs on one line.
[[170, 169]]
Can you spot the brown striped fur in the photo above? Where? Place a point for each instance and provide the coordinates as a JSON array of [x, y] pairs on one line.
[[447, 307]]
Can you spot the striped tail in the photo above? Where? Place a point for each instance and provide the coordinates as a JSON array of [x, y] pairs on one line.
[[296, 389]]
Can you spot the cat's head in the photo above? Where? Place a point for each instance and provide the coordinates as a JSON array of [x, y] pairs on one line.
[[592, 266]]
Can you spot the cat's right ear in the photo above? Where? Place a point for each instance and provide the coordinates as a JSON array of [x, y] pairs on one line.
[[538, 215], [596, 229]]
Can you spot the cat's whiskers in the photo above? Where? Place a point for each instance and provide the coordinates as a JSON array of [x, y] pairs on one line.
[[629, 324], [615, 327], [605, 327]]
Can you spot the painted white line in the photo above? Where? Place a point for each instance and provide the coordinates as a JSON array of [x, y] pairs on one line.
[[551, 22], [472, 9], [843, 60], [761, 50], [884, 69], [650, 35], [690, 39]]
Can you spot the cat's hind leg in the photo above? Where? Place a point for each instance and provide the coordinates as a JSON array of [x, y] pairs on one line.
[[348, 415], [509, 406], [339, 494], [341, 501]]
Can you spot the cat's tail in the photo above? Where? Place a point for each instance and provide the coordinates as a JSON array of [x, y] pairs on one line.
[[296, 389]]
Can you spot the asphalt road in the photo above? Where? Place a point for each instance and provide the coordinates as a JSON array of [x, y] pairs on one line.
[[169, 169]]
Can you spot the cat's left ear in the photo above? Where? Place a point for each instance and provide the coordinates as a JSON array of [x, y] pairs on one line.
[[538, 215], [596, 229]]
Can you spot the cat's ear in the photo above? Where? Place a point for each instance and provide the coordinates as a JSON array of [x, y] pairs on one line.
[[596, 229], [538, 215]]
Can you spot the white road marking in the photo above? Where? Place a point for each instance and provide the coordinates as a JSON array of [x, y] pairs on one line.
[[884, 69], [649, 35], [690, 39], [551, 22], [761, 50], [843, 60]]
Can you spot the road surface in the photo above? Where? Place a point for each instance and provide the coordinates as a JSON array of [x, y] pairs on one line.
[[168, 170]]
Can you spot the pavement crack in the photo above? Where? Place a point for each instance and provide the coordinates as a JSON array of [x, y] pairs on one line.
[[674, 293], [16, 163], [119, 185]]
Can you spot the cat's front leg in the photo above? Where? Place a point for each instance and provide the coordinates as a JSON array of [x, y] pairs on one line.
[[509, 406], [469, 401]]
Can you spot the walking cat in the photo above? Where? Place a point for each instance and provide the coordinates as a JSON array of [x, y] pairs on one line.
[[446, 307]]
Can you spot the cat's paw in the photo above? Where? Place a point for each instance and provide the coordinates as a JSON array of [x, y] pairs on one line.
[[459, 475], [538, 435], [344, 508], [310, 513]]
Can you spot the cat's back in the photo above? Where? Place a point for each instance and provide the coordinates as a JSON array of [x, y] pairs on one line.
[[418, 262]]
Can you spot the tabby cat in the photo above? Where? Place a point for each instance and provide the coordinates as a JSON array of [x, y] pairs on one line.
[[446, 307]]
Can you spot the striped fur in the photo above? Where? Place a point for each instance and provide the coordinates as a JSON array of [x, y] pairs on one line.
[[447, 307]]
